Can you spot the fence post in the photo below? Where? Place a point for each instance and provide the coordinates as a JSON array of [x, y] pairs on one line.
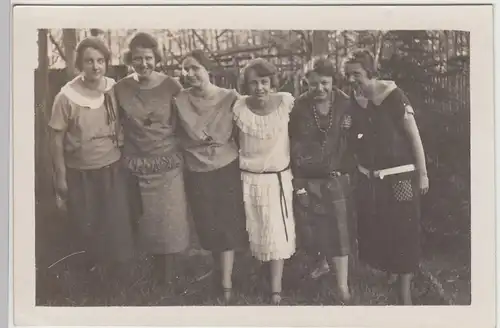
[[43, 160], [69, 42], [319, 43]]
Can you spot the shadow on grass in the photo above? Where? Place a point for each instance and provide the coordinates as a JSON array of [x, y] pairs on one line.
[[64, 285]]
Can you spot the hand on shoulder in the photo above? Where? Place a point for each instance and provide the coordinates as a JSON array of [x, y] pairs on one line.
[[287, 99]]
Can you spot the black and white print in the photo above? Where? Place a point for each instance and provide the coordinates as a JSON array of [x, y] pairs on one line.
[[252, 167]]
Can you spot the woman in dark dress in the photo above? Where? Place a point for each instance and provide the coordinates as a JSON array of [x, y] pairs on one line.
[[319, 127], [392, 170], [212, 173]]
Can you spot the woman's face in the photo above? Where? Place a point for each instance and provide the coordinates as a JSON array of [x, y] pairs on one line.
[[143, 61], [357, 77], [320, 86], [258, 86], [196, 75], [93, 64]]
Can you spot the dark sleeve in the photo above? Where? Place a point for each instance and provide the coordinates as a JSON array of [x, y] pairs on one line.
[[297, 129], [354, 130], [235, 134], [292, 123], [297, 136], [119, 108], [399, 104]]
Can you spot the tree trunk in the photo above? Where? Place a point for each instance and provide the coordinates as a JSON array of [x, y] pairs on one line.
[[110, 44], [379, 46], [69, 44], [319, 43], [43, 161]]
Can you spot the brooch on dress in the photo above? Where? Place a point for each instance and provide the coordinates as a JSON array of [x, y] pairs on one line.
[[346, 122], [208, 138]]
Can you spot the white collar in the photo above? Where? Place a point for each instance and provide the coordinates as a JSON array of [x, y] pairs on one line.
[[78, 98]]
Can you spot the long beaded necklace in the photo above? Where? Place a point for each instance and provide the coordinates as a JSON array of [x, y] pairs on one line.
[[318, 124]]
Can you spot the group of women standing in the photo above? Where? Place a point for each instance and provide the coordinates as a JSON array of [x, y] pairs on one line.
[[134, 159]]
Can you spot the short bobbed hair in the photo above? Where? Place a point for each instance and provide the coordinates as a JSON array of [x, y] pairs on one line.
[[94, 43], [201, 57], [262, 68], [143, 40], [365, 59], [323, 67]]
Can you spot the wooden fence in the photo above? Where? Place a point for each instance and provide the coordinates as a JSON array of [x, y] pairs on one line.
[[291, 52], [458, 84]]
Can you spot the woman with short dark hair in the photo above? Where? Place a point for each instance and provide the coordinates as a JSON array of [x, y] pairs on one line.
[[212, 172], [392, 169], [85, 147], [153, 157], [319, 127]]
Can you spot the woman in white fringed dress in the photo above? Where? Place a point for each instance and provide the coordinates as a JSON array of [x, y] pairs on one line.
[[262, 120]]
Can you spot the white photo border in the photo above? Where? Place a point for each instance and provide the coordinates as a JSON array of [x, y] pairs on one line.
[[476, 19]]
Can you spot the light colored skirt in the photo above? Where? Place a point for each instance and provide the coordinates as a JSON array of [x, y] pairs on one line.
[[269, 217], [163, 227]]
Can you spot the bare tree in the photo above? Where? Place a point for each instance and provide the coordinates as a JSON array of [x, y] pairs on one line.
[[379, 44], [319, 43], [42, 113], [69, 44]]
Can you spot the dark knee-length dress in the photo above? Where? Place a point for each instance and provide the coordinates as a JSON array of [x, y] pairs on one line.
[[321, 165], [388, 205]]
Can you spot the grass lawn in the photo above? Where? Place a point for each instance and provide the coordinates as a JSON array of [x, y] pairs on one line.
[[64, 285]]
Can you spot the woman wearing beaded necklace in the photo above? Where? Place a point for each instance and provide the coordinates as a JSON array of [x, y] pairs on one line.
[[262, 120], [318, 131]]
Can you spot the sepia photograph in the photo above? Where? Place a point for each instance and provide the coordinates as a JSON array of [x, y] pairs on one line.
[[284, 167], [249, 167]]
